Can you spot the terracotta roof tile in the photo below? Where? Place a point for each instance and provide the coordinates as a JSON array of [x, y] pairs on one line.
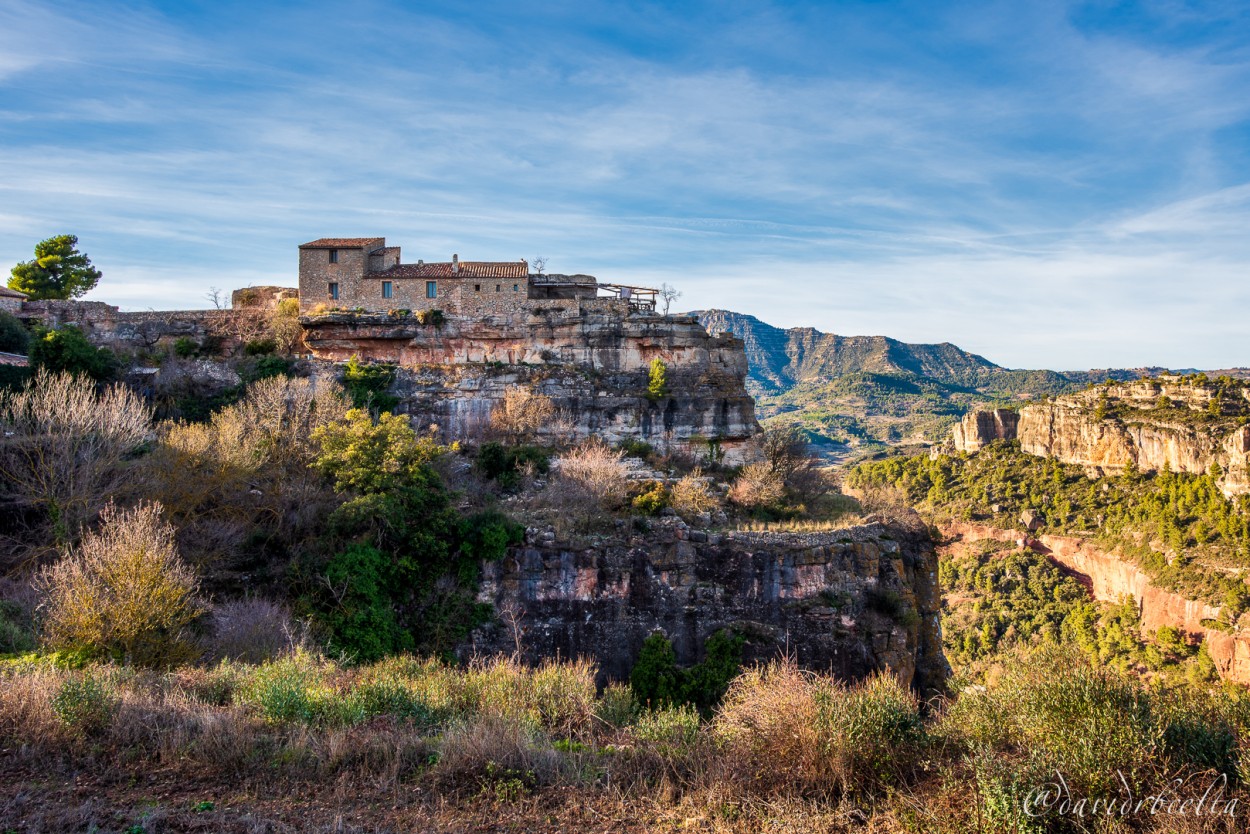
[[344, 243], [11, 293], [468, 269]]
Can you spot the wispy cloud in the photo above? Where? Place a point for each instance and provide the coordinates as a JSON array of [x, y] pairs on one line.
[[1036, 184]]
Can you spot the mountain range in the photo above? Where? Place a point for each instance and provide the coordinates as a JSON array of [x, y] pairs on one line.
[[856, 394]]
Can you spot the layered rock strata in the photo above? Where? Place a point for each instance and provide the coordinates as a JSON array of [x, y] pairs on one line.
[[850, 601], [595, 367]]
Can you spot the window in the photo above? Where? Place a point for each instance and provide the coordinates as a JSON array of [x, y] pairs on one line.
[[386, 289], [334, 291], [497, 286], [515, 288], [431, 289], [334, 256], [477, 287]]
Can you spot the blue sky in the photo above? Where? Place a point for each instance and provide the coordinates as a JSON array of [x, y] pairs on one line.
[[1047, 184]]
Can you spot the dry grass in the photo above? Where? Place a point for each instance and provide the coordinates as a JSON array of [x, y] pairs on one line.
[[410, 744]]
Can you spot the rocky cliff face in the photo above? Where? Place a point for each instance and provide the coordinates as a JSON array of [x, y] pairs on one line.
[[593, 366], [1187, 427], [981, 427], [1111, 578], [849, 601]]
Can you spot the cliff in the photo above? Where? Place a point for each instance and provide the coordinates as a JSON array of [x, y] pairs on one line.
[[981, 427], [593, 366], [849, 601], [1186, 426], [1111, 578]]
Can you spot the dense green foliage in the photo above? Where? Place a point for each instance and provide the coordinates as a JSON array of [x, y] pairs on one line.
[[369, 384], [14, 337], [658, 681], [383, 590], [1185, 514], [58, 271], [68, 350], [506, 464], [1001, 600]]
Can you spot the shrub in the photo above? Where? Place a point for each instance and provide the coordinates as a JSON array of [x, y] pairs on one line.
[[487, 535], [521, 414], [431, 318], [508, 465], [67, 351], [262, 346], [186, 347], [784, 728], [654, 498], [83, 704], [758, 486], [16, 632], [368, 385], [288, 690], [657, 680], [123, 592], [636, 448], [251, 631], [14, 337], [267, 367], [598, 469], [617, 706], [691, 496]]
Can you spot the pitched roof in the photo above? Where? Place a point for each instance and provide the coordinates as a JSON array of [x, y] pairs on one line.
[[468, 269], [344, 243], [7, 292]]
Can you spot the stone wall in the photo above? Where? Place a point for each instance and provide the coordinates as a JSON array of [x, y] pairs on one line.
[[816, 597], [107, 327]]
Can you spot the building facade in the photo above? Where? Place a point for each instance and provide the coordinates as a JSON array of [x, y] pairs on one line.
[[365, 273]]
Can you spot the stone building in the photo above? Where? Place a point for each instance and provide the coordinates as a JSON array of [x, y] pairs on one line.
[[11, 300], [365, 273]]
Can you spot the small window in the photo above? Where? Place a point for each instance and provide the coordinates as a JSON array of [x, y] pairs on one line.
[[515, 287], [334, 291], [477, 287], [431, 289], [334, 257], [498, 287], [386, 289]]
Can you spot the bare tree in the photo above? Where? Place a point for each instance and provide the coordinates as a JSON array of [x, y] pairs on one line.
[[217, 297], [669, 294], [521, 414], [539, 264]]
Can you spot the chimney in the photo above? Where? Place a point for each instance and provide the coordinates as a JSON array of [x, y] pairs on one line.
[[455, 264], [420, 262]]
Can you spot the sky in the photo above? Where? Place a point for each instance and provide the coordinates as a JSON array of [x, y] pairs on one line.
[[1061, 185]]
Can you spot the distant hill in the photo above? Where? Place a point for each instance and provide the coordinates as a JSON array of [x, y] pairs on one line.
[[855, 394]]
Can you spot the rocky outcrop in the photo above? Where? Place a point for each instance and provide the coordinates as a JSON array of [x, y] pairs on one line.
[[106, 326], [981, 427], [1111, 578], [1149, 424], [594, 366], [849, 601]]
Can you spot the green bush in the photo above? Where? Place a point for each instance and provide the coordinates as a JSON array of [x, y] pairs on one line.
[[14, 337], [186, 347], [487, 535], [67, 349], [84, 704], [431, 318], [368, 385], [267, 366], [637, 448], [260, 347], [657, 680], [287, 690], [505, 464]]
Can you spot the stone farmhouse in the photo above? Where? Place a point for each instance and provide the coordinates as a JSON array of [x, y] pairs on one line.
[[366, 274]]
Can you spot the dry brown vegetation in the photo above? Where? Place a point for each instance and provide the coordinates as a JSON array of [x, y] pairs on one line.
[[412, 744]]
